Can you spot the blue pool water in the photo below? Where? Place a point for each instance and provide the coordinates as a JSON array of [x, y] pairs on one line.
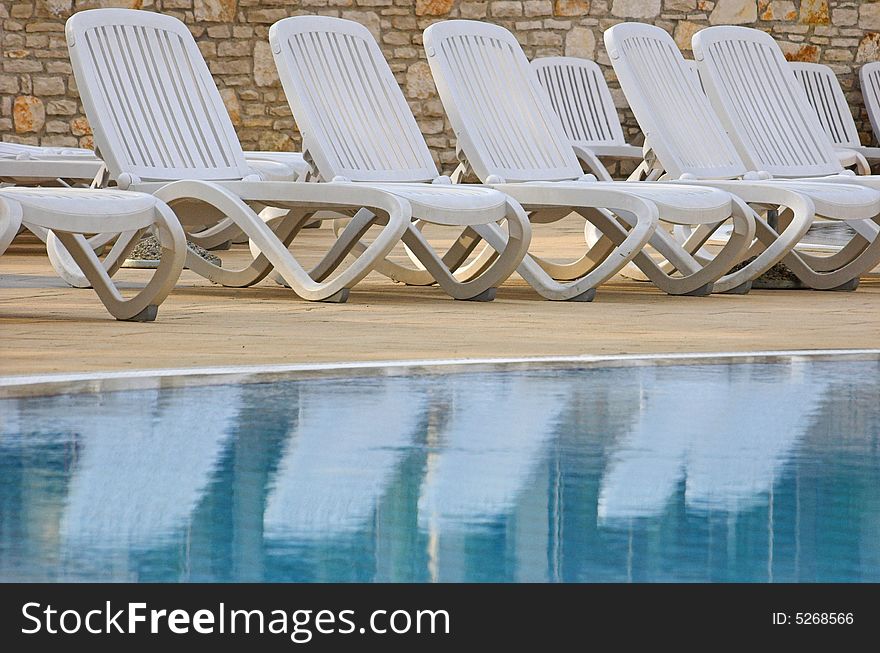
[[743, 472]]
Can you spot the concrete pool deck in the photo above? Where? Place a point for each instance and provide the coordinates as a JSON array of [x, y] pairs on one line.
[[47, 327]]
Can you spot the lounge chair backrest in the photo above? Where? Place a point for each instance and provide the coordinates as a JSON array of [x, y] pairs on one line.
[[502, 117], [355, 121], [154, 109], [762, 104], [827, 99], [676, 117], [580, 97], [869, 79]]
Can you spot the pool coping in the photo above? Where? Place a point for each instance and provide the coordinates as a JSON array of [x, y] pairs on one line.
[[162, 378]]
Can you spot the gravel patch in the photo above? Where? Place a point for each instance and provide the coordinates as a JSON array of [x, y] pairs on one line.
[[147, 252]]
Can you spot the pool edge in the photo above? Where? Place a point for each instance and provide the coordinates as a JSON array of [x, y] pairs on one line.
[[94, 382]]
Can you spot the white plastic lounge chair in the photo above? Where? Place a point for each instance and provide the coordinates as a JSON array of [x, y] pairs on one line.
[[726, 464], [161, 126], [72, 213], [792, 143], [689, 142], [521, 140], [826, 96], [337, 465], [144, 466], [581, 98]]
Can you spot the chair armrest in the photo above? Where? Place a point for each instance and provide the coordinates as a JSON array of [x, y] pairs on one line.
[[850, 158], [618, 151], [592, 162]]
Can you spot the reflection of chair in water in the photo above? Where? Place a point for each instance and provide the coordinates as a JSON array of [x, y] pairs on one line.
[[492, 443], [725, 432], [146, 462], [349, 440]]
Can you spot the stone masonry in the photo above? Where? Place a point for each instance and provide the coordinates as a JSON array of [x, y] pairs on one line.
[[39, 102]]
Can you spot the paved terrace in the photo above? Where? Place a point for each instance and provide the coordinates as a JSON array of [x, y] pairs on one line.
[[47, 327]]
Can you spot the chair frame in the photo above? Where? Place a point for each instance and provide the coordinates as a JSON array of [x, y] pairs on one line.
[[71, 214]]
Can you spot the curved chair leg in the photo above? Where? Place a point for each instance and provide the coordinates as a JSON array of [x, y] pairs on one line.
[[691, 240], [394, 271], [66, 268], [286, 227], [579, 267], [395, 211], [774, 246], [452, 260], [854, 259], [696, 279], [511, 249], [853, 247], [593, 237], [259, 268], [216, 235], [864, 256], [480, 263], [10, 222], [557, 271], [686, 258], [346, 241], [644, 217], [96, 241], [144, 306]]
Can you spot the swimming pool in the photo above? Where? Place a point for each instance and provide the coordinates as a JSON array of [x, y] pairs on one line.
[[752, 471]]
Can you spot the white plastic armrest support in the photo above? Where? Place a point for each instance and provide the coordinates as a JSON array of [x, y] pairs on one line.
[[652, 166], [460, 172], [463, 169], [639, 173], [101, 177], [592, 162], [313, 169], [856, 158]]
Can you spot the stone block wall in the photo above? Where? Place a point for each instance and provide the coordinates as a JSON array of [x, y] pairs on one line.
[[39, 102]]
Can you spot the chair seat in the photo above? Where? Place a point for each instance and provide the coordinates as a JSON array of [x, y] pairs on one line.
[[450, 204], [36, 170], [20, 151], [83, 210], [839, 196], [676, 203]]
